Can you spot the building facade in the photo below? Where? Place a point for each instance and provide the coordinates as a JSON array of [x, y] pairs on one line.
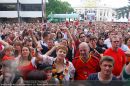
[[93, 10], [22, 9]]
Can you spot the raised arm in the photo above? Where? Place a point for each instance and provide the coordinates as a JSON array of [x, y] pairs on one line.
[[71, 41], [33, 38], [48, 53]]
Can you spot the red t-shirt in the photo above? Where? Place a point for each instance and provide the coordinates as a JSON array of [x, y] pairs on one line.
[[24, 70], [119, 57], [84, 69], [7, 58], [77, 53]]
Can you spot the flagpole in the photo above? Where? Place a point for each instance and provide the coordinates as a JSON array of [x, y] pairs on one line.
[[18, 9]]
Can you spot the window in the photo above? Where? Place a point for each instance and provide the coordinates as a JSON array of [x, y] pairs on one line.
[[100, 19], [30, 7], [8, 7], [104, 13], [101, 13]]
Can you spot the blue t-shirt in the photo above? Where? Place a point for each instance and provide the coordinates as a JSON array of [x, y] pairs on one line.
[[94, 76], [94, 80]]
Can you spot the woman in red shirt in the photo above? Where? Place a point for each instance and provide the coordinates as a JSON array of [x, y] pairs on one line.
[[24, 62]]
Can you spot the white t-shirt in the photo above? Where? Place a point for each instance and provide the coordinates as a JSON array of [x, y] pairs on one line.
[[50, 60]]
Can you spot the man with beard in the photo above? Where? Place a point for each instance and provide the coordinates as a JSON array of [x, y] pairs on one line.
[[85, 64]]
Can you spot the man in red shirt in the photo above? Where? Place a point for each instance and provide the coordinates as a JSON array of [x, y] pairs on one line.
[[82, 38], [117, 54], [85, 64]]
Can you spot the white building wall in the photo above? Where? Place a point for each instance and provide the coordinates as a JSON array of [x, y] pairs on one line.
[[8, 1], [12, 14], [8, 14], [98, 15], [31, 1], [99, 10], [30, 14], [23, 1]]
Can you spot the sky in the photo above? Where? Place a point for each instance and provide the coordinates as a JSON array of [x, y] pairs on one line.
[[109, 3]]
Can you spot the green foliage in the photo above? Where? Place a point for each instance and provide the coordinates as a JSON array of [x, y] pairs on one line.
[[58, 7]]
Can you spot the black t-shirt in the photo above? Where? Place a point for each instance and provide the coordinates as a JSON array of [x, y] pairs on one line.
[[44, 49], [102, 48], [99, 48], [69, 55]]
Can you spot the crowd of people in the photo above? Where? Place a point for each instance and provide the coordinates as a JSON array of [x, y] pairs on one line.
[[58, 53]]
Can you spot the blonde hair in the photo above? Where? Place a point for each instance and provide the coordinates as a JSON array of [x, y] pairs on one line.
[[9, 47]]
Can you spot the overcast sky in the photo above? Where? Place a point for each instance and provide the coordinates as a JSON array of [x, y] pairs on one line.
[[109, 3]]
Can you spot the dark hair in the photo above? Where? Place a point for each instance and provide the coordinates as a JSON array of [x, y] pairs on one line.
[[81, 34], [107, 58], [36, 78], [60, 34], [29, 57], [93, 37], [44, 67], [25, 33], [45, 34], [65, 40], [100, 37], [126, 39], [36, 75], [38, 36]]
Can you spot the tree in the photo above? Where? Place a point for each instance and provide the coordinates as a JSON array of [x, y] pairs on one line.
[[123, 12], [58, 7]]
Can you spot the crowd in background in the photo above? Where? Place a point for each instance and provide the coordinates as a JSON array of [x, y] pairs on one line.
[[62, 52]]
